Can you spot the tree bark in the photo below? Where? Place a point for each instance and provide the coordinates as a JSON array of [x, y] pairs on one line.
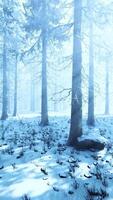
[[5, 83], [76, 102], [44, 104], [91, 120], [32, 96], [15, 88]]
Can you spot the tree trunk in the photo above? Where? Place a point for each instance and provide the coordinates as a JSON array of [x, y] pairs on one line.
[[91, 120], [76, 105], [5, 84], [107, 90], [32, 100], [44, 104], [15, 88]]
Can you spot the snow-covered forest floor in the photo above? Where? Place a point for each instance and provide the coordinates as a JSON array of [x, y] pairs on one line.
[[36, 164]]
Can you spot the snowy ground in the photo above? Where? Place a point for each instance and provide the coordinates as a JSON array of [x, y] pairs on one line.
[[36, 164]]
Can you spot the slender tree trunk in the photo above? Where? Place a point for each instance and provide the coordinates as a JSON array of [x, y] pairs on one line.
[[5, 83], [76, 105], [32, 100], [15, 88], [44, 104], [55, 91], [107, 90], [91, 120]]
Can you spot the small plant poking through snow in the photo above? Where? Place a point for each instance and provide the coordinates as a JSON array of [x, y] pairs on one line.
[[47, 138], [15, 138], [97, 172], [21, 154], [32, 140], [25, 197], [94, 192]]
